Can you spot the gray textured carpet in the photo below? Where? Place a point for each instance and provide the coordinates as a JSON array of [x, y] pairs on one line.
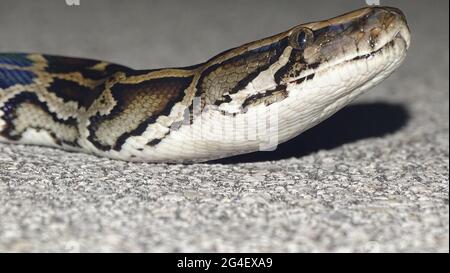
[[372, 178]]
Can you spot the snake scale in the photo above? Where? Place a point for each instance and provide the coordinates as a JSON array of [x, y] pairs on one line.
[[245, 99]]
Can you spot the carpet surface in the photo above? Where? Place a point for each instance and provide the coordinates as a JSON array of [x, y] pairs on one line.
[[374, 177]]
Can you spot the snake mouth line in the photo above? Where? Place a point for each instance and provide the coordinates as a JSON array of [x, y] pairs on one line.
[[390, 44]]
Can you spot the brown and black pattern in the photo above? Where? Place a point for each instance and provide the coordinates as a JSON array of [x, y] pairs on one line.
[[138, 106], [91, 69], [269, 97], [25, 111], [70, 91], [220, 80], [78, 80]]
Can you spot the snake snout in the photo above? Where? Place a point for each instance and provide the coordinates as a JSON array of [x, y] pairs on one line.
[[383, 25], [396, 20]]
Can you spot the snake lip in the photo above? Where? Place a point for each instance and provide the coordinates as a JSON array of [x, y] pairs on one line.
[[400, 35]]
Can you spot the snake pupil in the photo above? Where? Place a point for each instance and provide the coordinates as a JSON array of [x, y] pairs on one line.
[[301, 39]]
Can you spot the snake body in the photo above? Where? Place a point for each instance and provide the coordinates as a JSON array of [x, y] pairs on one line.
[[245, 99]]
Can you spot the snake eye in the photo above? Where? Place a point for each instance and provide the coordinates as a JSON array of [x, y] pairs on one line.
[[302, 38]]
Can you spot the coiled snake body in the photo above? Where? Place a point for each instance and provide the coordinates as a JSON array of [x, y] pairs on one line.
[[245, 99]]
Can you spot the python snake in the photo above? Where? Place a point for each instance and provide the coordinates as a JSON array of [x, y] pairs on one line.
[[245, 99]]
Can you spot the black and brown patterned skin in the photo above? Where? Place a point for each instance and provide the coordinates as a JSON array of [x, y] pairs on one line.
[[120, 101], [98, 107]]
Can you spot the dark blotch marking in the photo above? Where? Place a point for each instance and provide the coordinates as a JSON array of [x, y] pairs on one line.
[[223, 99], [313, 65], [59, 64], [154, 142], [265, 97], [71, 91], [9, 115], [277, 49], [160, 96]]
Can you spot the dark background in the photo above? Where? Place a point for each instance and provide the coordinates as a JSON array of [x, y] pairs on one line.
[[374, 177]]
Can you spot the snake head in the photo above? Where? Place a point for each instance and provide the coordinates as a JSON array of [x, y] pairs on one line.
[[303, 75], [358, 35], [263, 72]]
